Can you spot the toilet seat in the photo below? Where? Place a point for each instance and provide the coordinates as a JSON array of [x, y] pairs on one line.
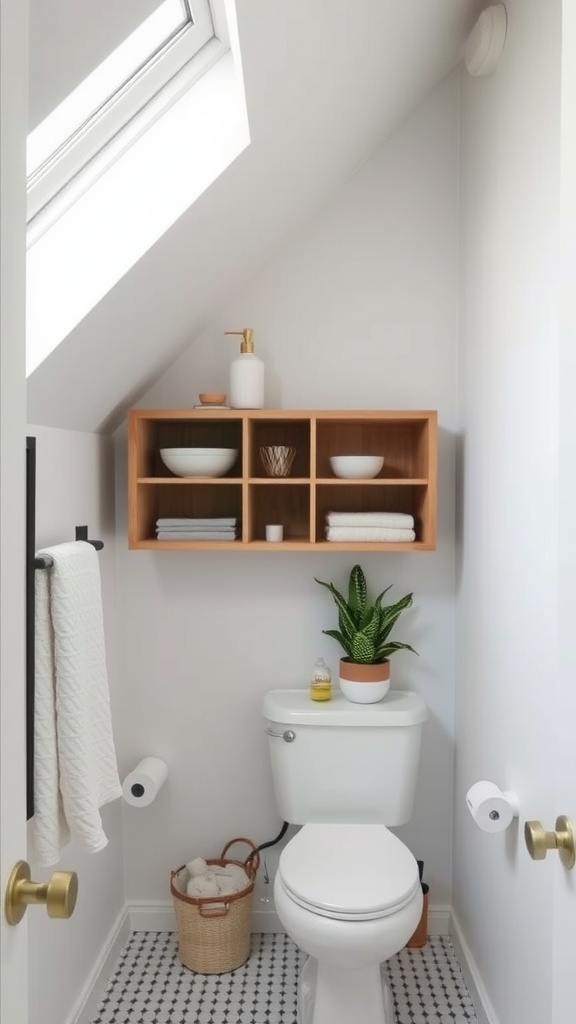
[[349, 872]]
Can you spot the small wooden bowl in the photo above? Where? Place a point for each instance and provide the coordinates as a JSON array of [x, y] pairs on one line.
[[212, 398]]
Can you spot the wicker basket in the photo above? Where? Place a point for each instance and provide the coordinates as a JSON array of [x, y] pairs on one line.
[[214, 933]]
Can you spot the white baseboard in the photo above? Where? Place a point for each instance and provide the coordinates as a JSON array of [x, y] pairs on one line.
[[92, 991], [438, 919], [152, 916], [158, 916], [265, 919], [484, 1009]]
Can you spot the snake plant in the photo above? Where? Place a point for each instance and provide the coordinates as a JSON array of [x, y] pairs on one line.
[[365, 626]]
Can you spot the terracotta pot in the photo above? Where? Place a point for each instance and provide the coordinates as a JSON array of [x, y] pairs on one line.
[[364, 684]]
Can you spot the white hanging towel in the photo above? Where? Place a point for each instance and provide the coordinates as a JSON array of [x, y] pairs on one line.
[[75, 769]]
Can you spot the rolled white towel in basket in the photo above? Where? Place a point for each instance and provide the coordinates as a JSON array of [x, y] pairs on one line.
[[233, 872], [217, 880], [203, 885], [198, 866]]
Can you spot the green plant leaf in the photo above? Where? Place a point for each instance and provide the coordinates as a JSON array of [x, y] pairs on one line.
[[345, 628], [386, 649], [342, 606], [357, 593], [391, 613], [362, 649], [370, 624], [340, 638]]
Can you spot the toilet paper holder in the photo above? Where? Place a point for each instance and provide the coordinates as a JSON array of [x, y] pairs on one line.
[[492, 809]]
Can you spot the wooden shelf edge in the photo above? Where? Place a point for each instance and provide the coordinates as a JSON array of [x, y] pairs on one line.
[[388, 481], [285, 545], [179, 480], [393, 415]]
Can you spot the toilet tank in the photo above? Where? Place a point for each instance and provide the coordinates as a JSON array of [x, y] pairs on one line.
[[338, 762]]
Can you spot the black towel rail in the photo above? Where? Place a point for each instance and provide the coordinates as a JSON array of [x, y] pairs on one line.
[[46, 561]]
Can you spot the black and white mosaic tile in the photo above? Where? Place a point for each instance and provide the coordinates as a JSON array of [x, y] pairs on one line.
[[151, 986]]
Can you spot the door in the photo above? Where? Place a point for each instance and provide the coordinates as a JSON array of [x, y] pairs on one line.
[[13, 87], [564, 927]]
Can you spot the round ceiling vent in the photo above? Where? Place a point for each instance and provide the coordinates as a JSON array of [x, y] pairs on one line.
[[486, 41]]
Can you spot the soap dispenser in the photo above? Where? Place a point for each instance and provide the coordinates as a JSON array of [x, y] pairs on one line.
[[246, 375]]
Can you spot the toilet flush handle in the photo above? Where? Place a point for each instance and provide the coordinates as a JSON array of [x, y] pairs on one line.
[[288, 735]]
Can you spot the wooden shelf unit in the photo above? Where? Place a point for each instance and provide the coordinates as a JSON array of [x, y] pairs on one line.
[[406, 483]]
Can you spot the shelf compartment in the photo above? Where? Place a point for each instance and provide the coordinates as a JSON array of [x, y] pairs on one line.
[[404, 443], [411, 499], [158, 500], [278, 503], [294, 432], [154, 434]]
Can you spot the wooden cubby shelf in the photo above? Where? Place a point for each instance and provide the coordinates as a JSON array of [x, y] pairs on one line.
[[300, 501]]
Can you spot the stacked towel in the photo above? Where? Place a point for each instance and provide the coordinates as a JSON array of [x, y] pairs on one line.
[[379, 527], [213, 880], [216, 528], [75, 771]]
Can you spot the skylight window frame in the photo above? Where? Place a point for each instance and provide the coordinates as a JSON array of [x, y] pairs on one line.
[[150, 88]]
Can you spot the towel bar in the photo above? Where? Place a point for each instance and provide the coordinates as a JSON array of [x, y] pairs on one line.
[[46, 562]]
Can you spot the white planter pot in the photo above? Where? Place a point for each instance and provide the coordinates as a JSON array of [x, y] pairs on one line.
[[364, 684]]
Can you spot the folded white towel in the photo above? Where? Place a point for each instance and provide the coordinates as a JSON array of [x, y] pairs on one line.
[[198, 866], [75, 770], [214, 521], [391, 520], [368, 533], [195, 529], [196, 535]]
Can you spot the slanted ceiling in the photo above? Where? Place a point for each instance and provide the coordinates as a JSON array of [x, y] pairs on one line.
[[326, 83]]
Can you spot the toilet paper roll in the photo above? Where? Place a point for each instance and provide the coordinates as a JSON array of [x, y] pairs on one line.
[[143, 784], [492, 810]]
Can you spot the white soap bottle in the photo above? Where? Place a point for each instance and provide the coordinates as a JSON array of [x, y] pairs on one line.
[[246, 375]]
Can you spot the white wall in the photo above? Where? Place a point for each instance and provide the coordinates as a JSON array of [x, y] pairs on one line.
[[360, 311], [75, 487], [508, 522]]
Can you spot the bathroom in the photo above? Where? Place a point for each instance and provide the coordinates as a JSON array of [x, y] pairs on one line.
[[420, 276]]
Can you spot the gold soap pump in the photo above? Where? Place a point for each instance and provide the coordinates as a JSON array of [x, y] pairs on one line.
[[246, 374]]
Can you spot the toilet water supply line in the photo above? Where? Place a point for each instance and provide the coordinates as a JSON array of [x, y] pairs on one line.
[[271, 842]]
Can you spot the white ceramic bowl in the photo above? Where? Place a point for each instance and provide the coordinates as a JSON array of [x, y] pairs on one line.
[[353, 467], [199, 461]]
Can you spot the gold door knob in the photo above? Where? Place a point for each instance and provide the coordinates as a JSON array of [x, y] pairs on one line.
[[539, 841], [58, 894]]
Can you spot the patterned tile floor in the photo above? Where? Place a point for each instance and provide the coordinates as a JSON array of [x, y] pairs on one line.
[[150, 985]]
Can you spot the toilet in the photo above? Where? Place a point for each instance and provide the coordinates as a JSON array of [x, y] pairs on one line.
[[347, 890]]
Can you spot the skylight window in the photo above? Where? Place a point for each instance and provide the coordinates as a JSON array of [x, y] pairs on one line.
[[113, 94], [111, 211]]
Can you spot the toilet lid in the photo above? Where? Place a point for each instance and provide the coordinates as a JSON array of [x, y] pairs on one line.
[[353, 872]]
